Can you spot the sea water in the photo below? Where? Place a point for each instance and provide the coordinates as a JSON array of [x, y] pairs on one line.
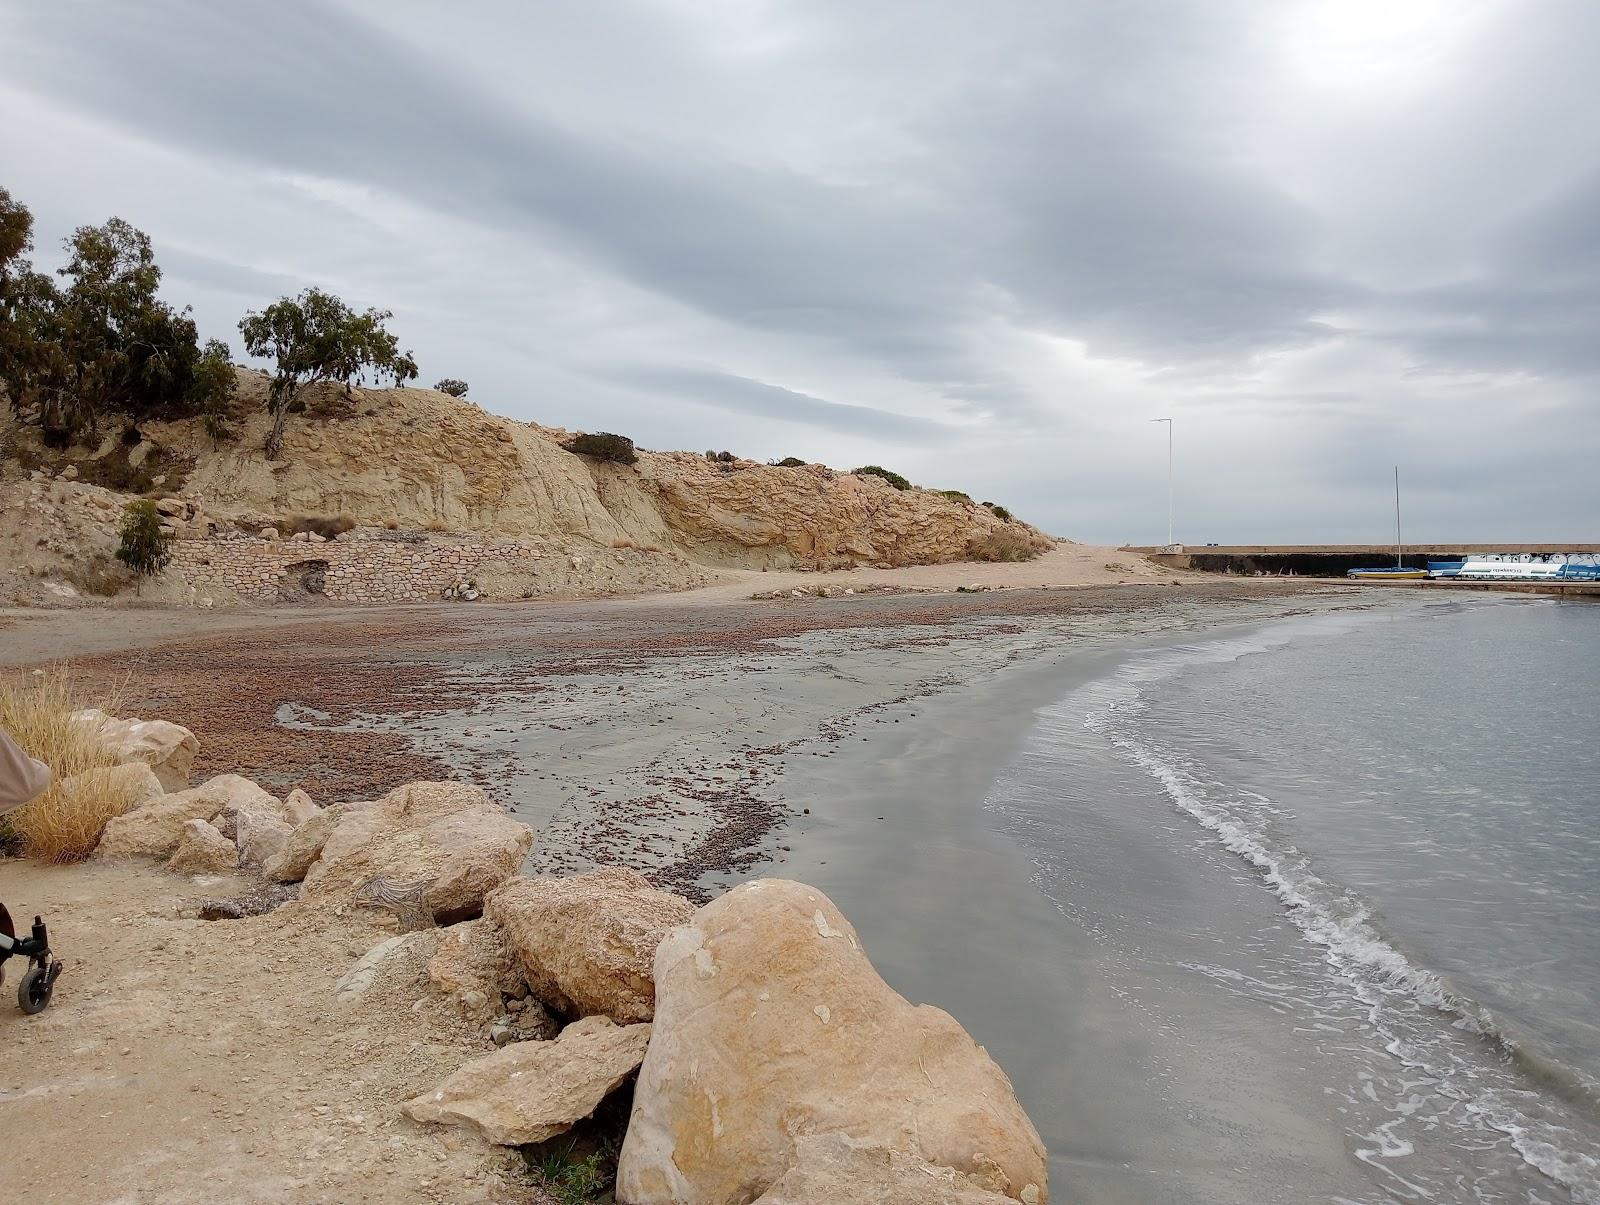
[[1404, 806]]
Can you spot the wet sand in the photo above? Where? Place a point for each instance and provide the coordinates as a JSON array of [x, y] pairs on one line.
[[1141, 1091]]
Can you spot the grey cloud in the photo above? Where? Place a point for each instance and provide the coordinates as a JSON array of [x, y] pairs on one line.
[[181, 267], [727, 391], [875, 191]]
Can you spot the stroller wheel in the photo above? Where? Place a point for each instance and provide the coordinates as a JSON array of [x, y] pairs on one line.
[[33, 993]]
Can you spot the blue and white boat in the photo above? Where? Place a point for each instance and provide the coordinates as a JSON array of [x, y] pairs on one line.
[[1515, 567]]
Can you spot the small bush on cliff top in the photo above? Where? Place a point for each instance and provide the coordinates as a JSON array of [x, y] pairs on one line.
[[958, 495], [877, 470], [452, 386], [789, 462], [60, 825], [1000, 512], [603, 445]]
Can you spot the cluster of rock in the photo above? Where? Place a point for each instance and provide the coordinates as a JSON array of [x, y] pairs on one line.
[[768, 1061], [837, 591]]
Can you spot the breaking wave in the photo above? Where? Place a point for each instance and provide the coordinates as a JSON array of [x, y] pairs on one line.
[[1487, 1074]]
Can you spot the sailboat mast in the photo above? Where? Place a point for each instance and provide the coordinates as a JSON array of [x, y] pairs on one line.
[[1397, 558]]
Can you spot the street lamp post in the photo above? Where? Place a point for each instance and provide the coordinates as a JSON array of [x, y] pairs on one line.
[[1168, 421]]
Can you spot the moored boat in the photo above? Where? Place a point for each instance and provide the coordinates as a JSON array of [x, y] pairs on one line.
[[1389, 574]]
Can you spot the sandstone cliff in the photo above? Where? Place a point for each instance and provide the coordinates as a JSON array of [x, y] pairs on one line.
[[418, 459]]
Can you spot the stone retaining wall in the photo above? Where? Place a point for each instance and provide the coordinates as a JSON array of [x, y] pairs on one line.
[[344, 570]]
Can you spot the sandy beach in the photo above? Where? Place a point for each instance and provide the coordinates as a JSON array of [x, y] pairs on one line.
[[847, 742]]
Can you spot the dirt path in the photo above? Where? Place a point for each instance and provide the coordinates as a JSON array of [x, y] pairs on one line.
[[190, 1061]]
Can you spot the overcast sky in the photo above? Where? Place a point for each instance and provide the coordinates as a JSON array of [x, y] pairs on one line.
[[981, 244]]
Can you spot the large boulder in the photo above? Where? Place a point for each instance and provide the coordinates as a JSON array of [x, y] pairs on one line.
[[586, 944], [429, 851], [532, 1091], [298, 808], [771, 1023], [303, 846], [830, 1168], [168, 749], [405, 808], [153, 831], [260, 839], [203, 850], [256, 822]]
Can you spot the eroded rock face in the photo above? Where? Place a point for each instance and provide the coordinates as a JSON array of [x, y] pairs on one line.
[[168, 749], [830, 1168], [771, 1023], [202, 850], [435, 847], [586, 944], [417, 457], [153, 831], [532, 1091]]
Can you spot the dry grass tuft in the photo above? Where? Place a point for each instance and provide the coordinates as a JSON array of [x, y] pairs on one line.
[[99, 575], [1001, 544], [327, 526], [61, 825]]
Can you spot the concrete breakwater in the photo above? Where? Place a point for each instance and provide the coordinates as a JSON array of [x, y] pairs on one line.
[[1332, 560]]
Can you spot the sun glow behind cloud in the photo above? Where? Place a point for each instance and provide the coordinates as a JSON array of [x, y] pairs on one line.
[[1376, 50]]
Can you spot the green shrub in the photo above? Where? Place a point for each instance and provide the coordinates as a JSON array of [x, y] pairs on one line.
[[789, 462], [877, 470], [1000, 512], [958, 495], [452, 386], [145, 548], [603, 445], [572, 1180]]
